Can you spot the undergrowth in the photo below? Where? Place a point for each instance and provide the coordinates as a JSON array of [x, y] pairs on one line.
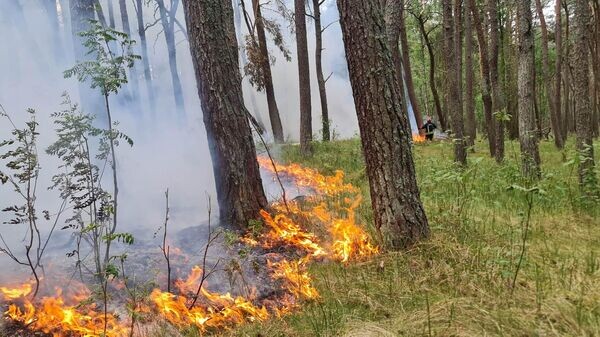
[[460, 281]]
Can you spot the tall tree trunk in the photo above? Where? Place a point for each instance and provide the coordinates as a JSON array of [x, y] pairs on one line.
[[408, 77], [583, 113], [385, 131], [454, 105], [469, 98], [528, 135], [303, 77], [567, 76], [319, 65], [392, 22], [558, 71], [145, 56], [167, 18], [432, 64], [546, 77], [486, 86], [214, 52], [111, 14], [133, 79], [497, 98], [274, 117]]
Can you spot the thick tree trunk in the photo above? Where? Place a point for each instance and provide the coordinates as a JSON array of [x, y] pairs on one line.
[[452, 80], [583, 113], [145, 56], [133, 79], [469, 98], [167, 18], [432, 84], [274, 117], [485, 78], [319, 65], [408, 77], [385, 131], [546, 77], [303, 77], [215, 56], [528, 135], [497, 97]]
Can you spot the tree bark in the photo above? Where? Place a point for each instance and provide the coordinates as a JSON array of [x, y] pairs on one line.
[[408, 77], [303, 77], [452, 79], [546, 77], [432, 64], [469, 98], [392, 22], [528, 135], [145, 56], [558, 69], [497, 97], [215, 57], [485, 78], [385, 131], [583, 108], [567, 76], [274, 117], [319, 65], [167, 18]]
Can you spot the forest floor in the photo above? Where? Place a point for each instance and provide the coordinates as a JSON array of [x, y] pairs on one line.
[[460, 281]]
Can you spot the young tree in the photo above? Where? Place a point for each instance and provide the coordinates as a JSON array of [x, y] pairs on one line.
[[554, 119], [214, 52], [303, 77], [385, 132], [486, 86], [454, 105], [528, 135], [319, 65], [583, 114], [168, 20]]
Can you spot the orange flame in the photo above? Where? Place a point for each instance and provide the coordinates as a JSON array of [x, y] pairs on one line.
[[417, 138], [324, 225]]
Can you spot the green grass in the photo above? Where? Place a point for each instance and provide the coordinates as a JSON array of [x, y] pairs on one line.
[[459, 282]]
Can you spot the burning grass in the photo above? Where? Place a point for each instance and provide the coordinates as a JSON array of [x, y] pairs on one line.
[[319, 227]]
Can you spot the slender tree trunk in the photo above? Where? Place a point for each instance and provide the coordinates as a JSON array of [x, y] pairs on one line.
[[385, 131], [469, 98], [392, 22], [497, 98], [567, 76], [111, 14], [558, 71], [408, 77], [52, 14], [100, 13], [554, 119], [276, 126], [485, 78], [145, 56], [319, 65], [167, 18], [216, 62], [303, 77], [432, 65], [452, 80], [133, 78], [583, 113], [528, 135]]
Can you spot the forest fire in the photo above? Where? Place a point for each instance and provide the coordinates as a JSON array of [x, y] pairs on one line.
[[322, 225], [418, 138]]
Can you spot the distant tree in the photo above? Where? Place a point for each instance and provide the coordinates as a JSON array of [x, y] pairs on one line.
[[385, 131], [486, 85], [583, 113], [558, 68], [321, 80], [497, 96], [168, 20], [303, 77], [452, 80], [528, 135], [141, 28], [133, 79], [215, 57], [259, 66], [469, 97]]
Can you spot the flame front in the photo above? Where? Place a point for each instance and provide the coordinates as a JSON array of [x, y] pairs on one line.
[[323, 225]]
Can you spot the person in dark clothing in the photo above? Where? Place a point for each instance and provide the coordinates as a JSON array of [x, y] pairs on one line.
[[429, 128]]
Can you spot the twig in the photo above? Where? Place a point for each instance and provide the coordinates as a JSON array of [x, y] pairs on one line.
[[165, 248]]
